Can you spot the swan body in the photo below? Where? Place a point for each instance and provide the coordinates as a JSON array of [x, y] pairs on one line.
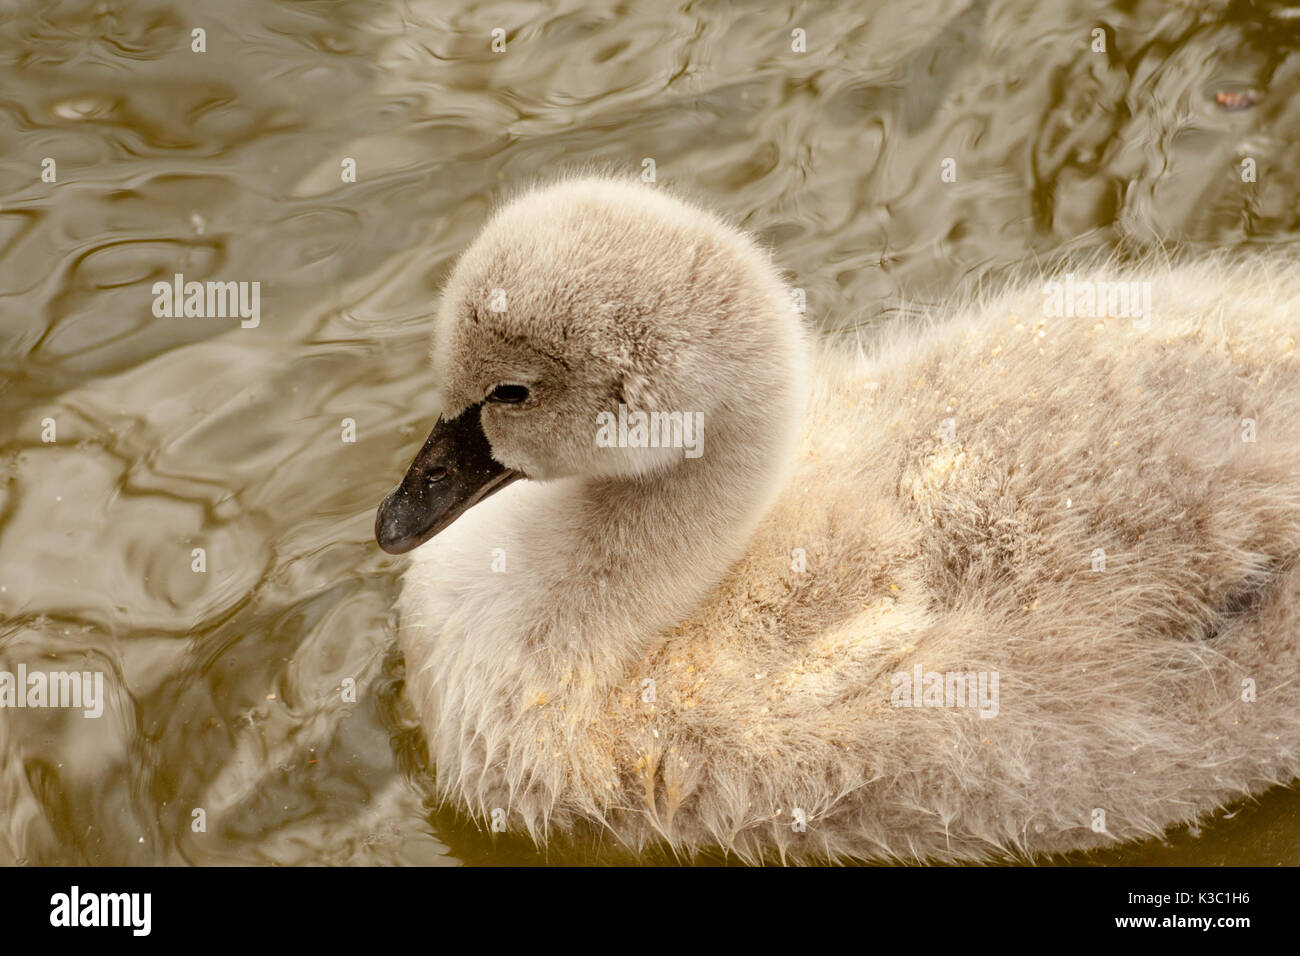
[[1098, 523]]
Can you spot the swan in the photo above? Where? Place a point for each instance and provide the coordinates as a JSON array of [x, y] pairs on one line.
[[1019, 580]]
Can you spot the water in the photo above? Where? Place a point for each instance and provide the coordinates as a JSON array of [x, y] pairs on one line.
[[225, 688]]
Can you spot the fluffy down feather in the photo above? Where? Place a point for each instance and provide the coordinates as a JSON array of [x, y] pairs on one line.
[[939, 499]]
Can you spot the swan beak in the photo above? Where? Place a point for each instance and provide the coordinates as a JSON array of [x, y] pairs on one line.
[[453, 472]]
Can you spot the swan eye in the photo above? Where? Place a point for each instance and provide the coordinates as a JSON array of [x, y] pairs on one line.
[[508, 394]]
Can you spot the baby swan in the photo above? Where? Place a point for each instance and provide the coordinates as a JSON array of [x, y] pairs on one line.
[[1012, 583]]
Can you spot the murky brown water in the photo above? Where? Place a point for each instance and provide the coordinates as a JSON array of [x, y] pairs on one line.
[[223, 687]]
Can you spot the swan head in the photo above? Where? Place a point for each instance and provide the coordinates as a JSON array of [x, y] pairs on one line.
[[576, 304]]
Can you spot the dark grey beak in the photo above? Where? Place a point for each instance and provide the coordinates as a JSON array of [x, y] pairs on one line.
[[453, 472]]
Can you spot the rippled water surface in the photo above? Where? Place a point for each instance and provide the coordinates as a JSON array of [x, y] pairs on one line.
[[223, 687]]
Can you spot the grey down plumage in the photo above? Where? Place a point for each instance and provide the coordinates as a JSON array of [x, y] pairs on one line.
[[693, 652]]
